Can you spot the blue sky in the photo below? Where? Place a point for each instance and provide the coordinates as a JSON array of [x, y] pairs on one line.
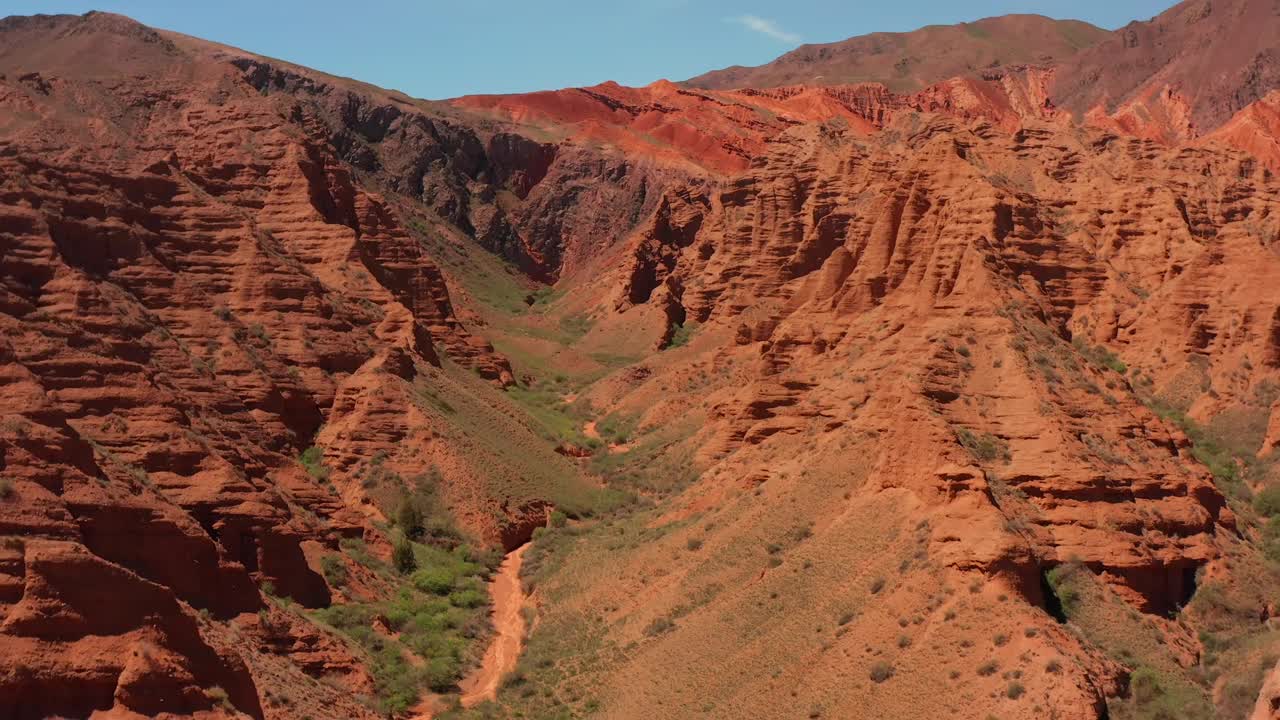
[[438, 48]]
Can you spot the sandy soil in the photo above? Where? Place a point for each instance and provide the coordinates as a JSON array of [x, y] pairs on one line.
[[504, 651]]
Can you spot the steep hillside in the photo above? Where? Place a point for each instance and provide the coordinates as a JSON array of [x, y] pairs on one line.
[[1187, 70], [227, 359], [924, 483], [910, 61]]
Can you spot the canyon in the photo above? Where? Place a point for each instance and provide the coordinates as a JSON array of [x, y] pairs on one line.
[[933, 373]]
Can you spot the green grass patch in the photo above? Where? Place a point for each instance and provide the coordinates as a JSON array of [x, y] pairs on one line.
[[439, 612]]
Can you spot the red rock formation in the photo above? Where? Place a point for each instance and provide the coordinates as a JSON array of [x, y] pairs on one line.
[[1255, 129], [210, 261], [191, 280], [961, 236]]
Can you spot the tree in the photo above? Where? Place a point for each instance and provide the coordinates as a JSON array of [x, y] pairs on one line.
[[402, 555], [409, 518]]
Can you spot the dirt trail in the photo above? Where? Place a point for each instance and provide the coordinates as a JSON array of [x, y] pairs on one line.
[[504, 651]]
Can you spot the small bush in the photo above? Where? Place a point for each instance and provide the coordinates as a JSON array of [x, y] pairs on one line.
[[558, 519], [469, 598], [312, 460], [1000, 640], [988, 668], [219, 697], [659, 626], [881, 671], [6, 488], [1066, 586], [435, 580], [1015, 690], [986, 446], [402, 555], [1053, 666], [1267, 502], [335, 570], [693, 544], [904, 641], [877, 585], [409, 518], [845, 618], [682, 334]]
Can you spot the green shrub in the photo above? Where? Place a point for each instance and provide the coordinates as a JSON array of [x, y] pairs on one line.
[[985, 447], [693, 544], [1267, 502], [219, 697], [468, 598], [1271, 539], [682, 334], [1015, 690], [436, 580], [1065, 583], [312, 460], [558, 519], [402, 555], [334, 569], [881, 671], [409, 518], [988, 668]]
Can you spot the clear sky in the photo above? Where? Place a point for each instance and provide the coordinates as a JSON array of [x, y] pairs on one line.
[[445, 48]]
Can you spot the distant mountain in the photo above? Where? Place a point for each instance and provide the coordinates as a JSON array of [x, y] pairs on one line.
[[913, 60], [1215, 57]]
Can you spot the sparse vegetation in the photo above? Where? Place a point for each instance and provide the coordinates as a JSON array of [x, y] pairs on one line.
[[1152, 696], [402, 555], [6, 488], [335, 570], [436, 616], [881, 671], [659, 626], [312, 460], [1062, 580], [219, 697], [682, 334], [985, 447]]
